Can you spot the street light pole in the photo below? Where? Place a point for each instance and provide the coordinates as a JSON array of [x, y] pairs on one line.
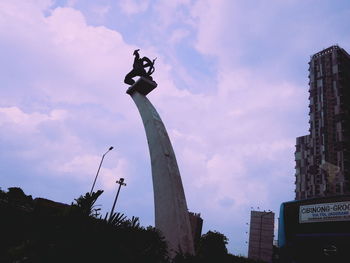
[[120, 182], [99, 167]]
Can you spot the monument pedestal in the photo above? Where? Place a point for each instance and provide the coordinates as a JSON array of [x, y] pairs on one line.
[[142, 86], [171, 213]]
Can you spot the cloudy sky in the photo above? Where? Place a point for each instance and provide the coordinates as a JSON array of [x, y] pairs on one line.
[[232, 92]]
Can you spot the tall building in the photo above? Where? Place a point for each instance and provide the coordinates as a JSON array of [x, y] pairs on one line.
[[261, 235], [323, 157]]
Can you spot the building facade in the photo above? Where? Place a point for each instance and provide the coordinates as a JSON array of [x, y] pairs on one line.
[[323, 157], [196, 225], [261, 235]]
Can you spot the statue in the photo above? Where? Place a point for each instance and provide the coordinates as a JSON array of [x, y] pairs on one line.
[[139, 68], [171, 213]]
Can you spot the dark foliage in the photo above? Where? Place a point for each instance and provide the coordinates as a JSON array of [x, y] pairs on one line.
[[212, 249], [212, 246], [41, 230], [45, 231], [86, 204]]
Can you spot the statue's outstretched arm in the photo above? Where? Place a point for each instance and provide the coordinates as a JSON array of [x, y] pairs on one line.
[[151, 70], [148, 62]]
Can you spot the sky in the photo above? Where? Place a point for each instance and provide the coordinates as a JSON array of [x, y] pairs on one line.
[[232, 91]]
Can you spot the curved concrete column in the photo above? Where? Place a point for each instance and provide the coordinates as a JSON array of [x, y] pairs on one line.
[[171, 214]]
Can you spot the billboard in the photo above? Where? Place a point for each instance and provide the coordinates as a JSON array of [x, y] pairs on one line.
[[324, 212]]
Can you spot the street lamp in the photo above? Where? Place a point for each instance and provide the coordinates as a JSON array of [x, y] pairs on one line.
[[98, 170], [120, 182]]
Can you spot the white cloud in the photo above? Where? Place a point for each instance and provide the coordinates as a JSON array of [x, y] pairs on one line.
[[14, 115], [85, 165], [177, 35], [210, 25], [131, 7], [65, 100], [101, 11]]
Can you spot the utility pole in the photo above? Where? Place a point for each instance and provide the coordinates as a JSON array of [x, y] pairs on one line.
[[120, 182]]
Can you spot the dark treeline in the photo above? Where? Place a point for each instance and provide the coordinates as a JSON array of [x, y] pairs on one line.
[[40, 230]]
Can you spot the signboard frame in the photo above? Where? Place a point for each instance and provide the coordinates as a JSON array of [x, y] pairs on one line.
[[324, 212]]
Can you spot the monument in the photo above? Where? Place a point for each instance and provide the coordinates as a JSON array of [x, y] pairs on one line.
[[171, 214]]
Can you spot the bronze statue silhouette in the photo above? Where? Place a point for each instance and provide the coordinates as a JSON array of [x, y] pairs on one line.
[[139, 68]]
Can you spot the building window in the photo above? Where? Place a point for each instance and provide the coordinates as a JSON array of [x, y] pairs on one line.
[[337, 188], [335, 69]]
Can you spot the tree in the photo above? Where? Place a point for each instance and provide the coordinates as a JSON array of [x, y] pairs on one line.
[[77, 233], [212, 247], [86, 203]]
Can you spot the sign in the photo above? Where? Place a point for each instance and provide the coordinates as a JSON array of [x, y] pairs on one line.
[[339, 211]]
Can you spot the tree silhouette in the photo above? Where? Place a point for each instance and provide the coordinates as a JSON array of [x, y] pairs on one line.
[[86, 203], [74, 233], [42, 230], [212, 246]]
